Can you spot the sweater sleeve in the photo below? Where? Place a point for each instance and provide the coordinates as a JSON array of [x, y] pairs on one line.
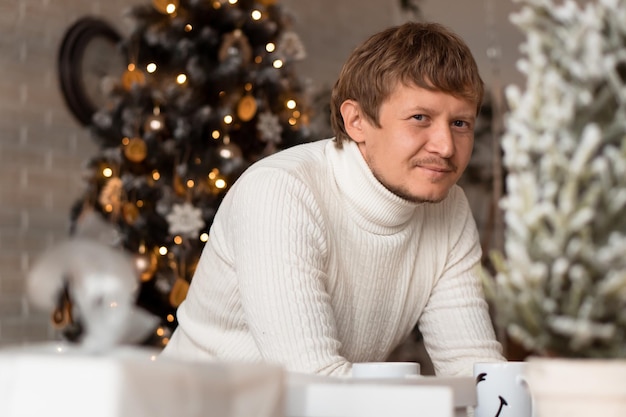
[[456, 324], [280, 250]]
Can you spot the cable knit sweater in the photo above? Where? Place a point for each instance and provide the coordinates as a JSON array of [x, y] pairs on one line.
[[313, 264]]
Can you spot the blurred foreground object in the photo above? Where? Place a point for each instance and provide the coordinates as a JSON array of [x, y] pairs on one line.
[[90, 289]]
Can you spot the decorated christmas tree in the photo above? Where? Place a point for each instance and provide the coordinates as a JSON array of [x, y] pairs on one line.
[[210, 88]]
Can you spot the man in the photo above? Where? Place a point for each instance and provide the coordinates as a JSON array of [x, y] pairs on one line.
[[330, 253]]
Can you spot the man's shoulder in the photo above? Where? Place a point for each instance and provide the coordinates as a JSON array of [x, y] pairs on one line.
[[303, 158]]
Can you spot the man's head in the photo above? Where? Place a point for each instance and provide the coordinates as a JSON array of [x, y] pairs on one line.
[[426, 55]]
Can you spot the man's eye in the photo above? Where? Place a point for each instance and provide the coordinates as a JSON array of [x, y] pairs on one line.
[[460, 123], [419, 117]]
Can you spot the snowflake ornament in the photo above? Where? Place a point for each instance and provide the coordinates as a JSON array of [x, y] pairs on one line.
[[185, 219], [269, 128]]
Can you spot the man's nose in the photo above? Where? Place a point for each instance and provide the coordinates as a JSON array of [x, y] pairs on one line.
[[440, 141]]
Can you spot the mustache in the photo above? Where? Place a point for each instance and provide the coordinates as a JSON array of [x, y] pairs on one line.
[[433, 162]]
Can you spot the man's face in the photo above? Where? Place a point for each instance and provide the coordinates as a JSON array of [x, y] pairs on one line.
[[423, 145]]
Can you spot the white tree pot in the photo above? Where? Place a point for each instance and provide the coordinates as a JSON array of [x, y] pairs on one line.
[[577, 387]]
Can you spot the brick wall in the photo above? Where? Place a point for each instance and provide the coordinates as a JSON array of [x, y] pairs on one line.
[[41, 149]]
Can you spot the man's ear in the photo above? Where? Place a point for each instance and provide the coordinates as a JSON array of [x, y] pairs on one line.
[[353, 119]]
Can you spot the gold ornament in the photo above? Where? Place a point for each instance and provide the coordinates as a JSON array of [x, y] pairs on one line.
[[236, 41], [179, 292], [132, 77], [146, 265], [166, 6], [136, 150], [130, 212], [246, 108]]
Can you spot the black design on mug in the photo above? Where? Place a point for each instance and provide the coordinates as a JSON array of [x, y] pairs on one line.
[[483, 377]]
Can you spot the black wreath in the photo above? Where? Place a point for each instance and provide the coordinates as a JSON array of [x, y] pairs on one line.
[[73, 45]]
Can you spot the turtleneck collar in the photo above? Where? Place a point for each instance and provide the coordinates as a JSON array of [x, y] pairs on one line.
[[374, 207]]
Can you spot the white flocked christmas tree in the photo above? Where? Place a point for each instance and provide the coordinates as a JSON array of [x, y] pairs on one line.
[[560, 285]]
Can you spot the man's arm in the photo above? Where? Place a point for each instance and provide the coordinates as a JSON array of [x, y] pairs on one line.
[[280, 256]]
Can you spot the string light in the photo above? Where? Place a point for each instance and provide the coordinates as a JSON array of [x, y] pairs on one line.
[[204, 237], [291, 104], [156, 175], [163, 251], [107, 172], [181, 78], [220, 183], [188, 27], [171, 8], [178, 240], [228, 119], [151, 67], [277, 64], [170, 318], [256, 15], [139, 203], [125, 141], [233, 1], [190, 183], [215, 134]]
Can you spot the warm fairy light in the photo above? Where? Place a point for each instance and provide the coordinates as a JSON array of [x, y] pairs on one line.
[[190, 183], [163, 251], [139, 203], [131, 67], [125, 141], [108, 208], [232, 1], [170, 318], [188, 27], [296, 114], [258, 59], [178, 240], [181, 78], [165, 341], [215, 134], [292, 121], [226, 153], [156, 175], [270, 47], [213, 174], [217, 4], [291, 104], [228, 119], [248, 87], [155, 124], [204, 237], [277, 64], [171, 8], [160, 331], [107, 172], [256, 14], [222, 93], [220, 183], [151, 67]]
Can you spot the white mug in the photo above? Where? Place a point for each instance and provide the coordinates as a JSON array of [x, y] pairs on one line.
[[385, 369], [501, 390]]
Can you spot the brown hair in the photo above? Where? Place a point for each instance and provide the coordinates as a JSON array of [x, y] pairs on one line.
[[427, 55]]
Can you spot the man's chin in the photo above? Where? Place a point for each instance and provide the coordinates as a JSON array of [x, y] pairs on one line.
[[415, 197]]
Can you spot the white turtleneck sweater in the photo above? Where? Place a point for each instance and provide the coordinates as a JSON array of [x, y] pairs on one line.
[[313, 264]]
